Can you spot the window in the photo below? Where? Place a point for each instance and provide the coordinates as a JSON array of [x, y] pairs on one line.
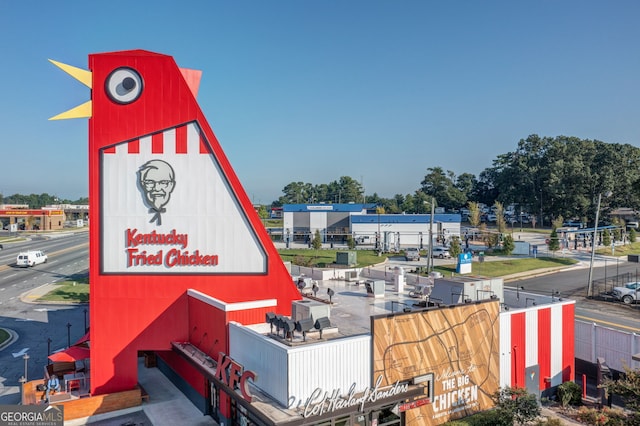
[[388, 417]]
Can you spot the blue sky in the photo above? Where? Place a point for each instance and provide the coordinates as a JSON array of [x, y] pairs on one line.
[[313, 90]]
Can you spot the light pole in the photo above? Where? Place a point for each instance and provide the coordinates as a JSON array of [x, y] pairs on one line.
[[22, 381], [85, 320], [26, 364], [430, 252], [521, 213], [68, 335], [48, 349], [593, 246]]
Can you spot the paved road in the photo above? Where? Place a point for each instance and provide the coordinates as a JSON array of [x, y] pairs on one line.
[[35, 324]]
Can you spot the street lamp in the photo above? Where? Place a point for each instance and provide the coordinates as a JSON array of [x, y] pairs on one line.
[[22, 381], [593, 246], [430, 252], [521, 213], [68, 334], [26, 363], [48, 349], [85, 320]]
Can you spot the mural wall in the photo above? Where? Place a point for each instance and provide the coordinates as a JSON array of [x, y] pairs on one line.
[[452, 351]]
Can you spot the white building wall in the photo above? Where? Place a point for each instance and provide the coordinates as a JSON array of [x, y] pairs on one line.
[[337, 364], [409, 232], [505, 349], [291, 374], [531, 324], [318, 221], [556, 345], [287, 221]]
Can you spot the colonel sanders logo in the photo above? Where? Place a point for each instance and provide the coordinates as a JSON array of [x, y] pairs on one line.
[[156, 181]]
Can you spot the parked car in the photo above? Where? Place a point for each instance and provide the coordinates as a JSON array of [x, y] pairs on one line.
[[411, 253], [31, 258], [440, 252], [574, 224], [628, 294]]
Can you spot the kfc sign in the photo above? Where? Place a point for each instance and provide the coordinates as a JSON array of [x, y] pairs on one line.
[[232, 374]]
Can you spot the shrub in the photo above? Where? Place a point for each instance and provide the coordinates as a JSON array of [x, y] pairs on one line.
[[591, 416], [569, 393], [515, 404], [508, 245], [549, 422]]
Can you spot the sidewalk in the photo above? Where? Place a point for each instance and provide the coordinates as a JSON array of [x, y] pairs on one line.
[[166, 406]]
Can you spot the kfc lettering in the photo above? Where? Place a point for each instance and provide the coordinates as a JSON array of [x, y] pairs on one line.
[[234, 377], [173, 257]]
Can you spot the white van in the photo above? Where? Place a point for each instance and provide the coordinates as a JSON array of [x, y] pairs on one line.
[[31, 258]]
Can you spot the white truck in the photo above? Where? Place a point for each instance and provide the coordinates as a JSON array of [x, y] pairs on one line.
[[628, 294]]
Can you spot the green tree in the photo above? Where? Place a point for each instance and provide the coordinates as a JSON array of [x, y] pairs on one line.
[[606, 238], [439, 184], [454, 247], [632, 235], [296, 193], [474, 214], [491, 239], [263, 212], [557, 222], [316, 243], [466, 183], [501, 224], [554, 244], [351, 243], [508, 245]]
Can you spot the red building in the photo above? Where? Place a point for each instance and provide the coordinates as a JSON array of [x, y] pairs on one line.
[[179, 262]]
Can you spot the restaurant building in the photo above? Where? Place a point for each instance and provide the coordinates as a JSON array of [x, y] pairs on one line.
[[182, 269]]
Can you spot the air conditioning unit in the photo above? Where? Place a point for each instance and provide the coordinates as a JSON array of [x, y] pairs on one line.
[[351, 276], [303, 309]]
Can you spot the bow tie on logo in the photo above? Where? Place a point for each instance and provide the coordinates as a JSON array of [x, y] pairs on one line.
[[156, 217]]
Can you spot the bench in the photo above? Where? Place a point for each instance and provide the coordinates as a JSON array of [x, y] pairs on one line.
[[58, 397]]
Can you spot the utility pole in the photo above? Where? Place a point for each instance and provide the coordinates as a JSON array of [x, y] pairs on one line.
[[430, 251], [593, 250]]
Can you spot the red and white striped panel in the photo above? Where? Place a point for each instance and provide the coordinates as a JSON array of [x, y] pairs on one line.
[[539, 335], [178, 140]]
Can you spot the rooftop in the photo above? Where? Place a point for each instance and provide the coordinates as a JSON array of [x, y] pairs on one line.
[[351, 305]]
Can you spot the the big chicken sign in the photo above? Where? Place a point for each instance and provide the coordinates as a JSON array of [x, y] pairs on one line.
[[168, 214]]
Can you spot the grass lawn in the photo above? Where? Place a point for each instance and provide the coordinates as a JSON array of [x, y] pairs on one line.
[[632, 248], [499, 268], [76, 291], [494, 268], [272, 223], [4, 335], [322, 258]]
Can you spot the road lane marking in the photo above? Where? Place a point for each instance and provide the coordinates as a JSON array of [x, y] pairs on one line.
[[635, 330]]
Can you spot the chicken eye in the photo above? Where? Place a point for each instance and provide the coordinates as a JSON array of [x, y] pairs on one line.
[[124, 85]]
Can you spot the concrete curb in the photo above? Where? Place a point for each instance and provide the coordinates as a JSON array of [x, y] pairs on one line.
[[13, 337], [32, 296]]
